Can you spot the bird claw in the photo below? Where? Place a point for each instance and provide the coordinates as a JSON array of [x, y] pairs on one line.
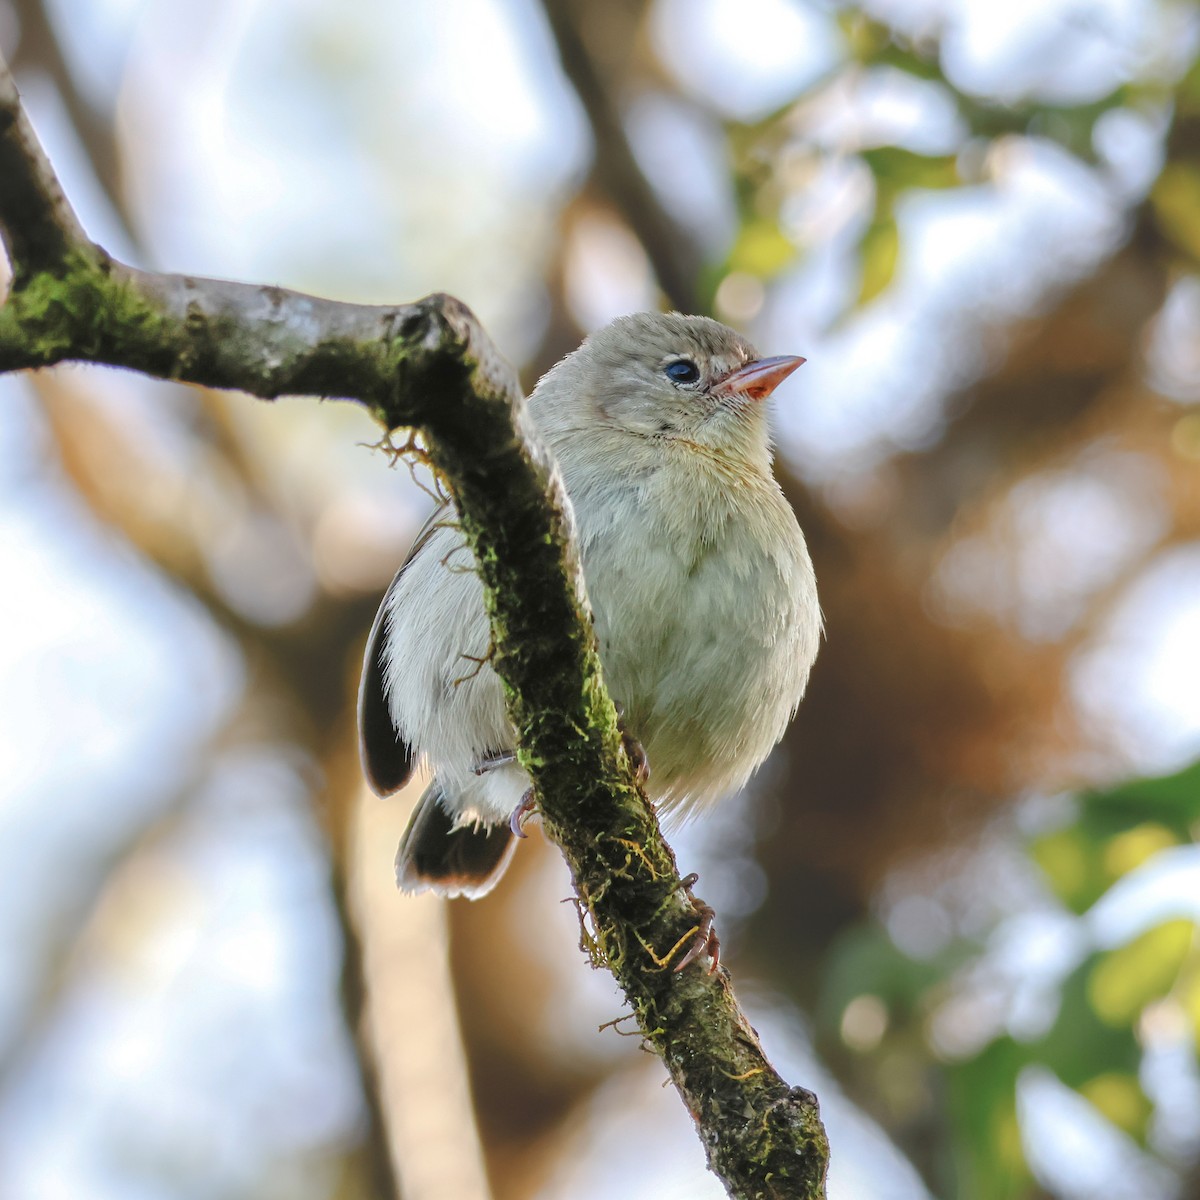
[[634, 750], [636, 753], [705, 940], [521, 813]]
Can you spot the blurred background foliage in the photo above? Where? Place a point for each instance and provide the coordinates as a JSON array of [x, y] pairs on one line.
[[961, 901]]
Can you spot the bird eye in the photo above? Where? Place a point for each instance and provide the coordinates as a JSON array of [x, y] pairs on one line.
[[682, 370]]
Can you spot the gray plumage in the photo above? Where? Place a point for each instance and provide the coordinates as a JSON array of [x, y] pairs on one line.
[[701, 586]]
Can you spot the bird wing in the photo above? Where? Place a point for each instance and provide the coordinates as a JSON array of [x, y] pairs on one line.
[[387, 759]]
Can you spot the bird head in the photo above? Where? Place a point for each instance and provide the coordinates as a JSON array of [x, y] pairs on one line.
[[676, 380]]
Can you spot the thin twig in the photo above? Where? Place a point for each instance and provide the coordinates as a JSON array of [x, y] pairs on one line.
[[47, 227], [672, 251]]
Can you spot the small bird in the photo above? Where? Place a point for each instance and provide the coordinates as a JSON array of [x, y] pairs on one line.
[[700, 583]]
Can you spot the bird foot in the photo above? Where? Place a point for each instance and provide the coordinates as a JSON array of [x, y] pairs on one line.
[[634, 750], [521, 813], [705, 940]]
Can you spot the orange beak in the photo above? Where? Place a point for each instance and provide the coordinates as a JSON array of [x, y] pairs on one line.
[[757, 380]]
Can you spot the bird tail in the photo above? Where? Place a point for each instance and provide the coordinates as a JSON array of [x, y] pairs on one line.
[[452, 860]]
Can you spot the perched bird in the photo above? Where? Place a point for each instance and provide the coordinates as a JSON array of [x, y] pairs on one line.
[[700, 583]]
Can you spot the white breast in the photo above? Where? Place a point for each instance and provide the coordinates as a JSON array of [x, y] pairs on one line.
[[707, 618], [706, 614]]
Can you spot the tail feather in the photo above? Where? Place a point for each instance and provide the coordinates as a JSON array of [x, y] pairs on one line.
[[437, 856]]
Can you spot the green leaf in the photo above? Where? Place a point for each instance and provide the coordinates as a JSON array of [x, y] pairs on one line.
[[1188, 91], [1125, 980], [1176, 201], [1118, 1096], [865, 39], [761, 249], [1082, 861], [1170, 800], [1073, 861], [865, 961], [897, 170], [1080, 1044], [983, 1115], [879, 252], [1188, 995], [1129, 850]]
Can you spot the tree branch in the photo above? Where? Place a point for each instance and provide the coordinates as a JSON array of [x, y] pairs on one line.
[[671, 250], [430, 365], [40, 48], [47, 227]]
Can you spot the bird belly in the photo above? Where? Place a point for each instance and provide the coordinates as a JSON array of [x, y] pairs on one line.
[[706, 639], [707, 646]]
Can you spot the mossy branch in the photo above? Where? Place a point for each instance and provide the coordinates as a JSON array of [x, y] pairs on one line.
[[430, 365]]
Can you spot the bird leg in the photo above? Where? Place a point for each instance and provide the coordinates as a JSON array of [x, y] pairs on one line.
[[520, 814], [501, 759], [705, 940]]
